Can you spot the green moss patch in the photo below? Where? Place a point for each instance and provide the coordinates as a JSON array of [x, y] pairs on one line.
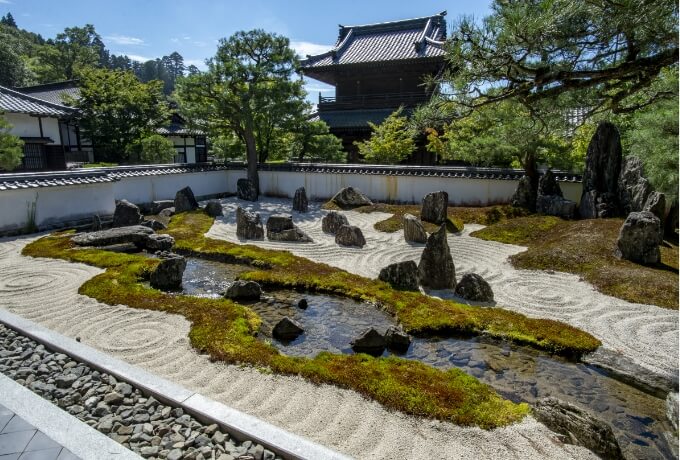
[[227, 331], [586, 248]]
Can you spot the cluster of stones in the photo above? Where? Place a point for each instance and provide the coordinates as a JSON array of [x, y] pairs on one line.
[[122, 412], [374, 343], [436, 269]]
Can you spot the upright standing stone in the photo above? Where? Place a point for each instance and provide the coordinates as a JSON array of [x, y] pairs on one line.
[[436, 269], [96, 223], [126, 214], [671, 224], [548, 185], [525, 195], [300, 203], [634, 189], [600, 196], [434, 208], [168, 274], [656, 204], [550, 200], [639, 238], [246, 190], [414, 232], [248, 225], [185, 200]]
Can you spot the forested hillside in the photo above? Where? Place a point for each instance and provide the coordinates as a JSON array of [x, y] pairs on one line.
[[27, 58]]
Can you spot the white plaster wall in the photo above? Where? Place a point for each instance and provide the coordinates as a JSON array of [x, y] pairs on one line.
[[144, 189], [54, 204]]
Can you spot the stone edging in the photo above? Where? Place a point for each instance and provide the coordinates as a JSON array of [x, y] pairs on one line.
[[238, 424]]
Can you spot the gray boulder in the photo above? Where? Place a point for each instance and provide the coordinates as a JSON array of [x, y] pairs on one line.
[[243, 290], [434, 207], [401, 275], [185, 200], [154, 224], [246, 190], [213, 208], [473, 287], [287, 329], [578, 427], [639, 238], [300, 202], [156, 242], [280, 227], [634, 189], [397, 340], [414, 232], [332, 222], [436, 269], [555, 205], [350, 197], [656, 204], [349, 235], [548, 185], [671, 225], [370, 341], [600, 196], [248, 225], [133, 234], [525, 195], [126, 214], [168, 274], [167, 212], [157, 206]]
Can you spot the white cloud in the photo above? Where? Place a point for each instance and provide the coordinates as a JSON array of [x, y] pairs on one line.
[[174, 40], [5, 2], [124, 40], [303, 48], [135, 57]]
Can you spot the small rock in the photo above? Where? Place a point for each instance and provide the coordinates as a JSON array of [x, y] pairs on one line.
[[126, 214], [243, 290], [167, 212], [157, 242], [656, 204], [213, 208], [370, 341], [65, 381], [401, 275], [154, 224], [113, 398], [149, 451], [248, 225], [473, 287], [96, 223], [302, 304], [124, 388], [332, 222], [639, 238], [349, 235], [414, 232], [175, 454], [287, 329], [160, 205], [397, 340], [185, 200], [350, 197], [168, 274]]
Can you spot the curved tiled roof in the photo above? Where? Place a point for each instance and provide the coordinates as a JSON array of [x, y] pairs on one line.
[[53, 92], [12, 101], [388, 41]]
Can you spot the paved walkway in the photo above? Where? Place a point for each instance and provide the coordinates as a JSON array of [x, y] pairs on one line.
[[19, 440]]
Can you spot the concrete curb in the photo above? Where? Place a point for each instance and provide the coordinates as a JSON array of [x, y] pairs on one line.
[[237, 423], [75, 435]]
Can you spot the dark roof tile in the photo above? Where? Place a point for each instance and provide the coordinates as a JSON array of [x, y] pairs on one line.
[[12, 101]]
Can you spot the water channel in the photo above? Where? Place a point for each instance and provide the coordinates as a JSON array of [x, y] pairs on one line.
[[516, 372]]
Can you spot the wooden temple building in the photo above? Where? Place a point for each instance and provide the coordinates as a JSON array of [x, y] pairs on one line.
[[375, 69]]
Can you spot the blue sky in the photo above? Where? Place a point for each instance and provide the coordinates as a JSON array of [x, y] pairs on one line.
[[146, 29]]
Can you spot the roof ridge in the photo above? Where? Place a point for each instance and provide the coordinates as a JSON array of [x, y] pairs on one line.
[[36, 100], [45, 85], [397, 22]]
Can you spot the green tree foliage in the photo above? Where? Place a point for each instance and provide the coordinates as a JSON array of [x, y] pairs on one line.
[[71, 52], [312, 141], [154, 149], [390, 143], [227, 147], [504, 134], [247, 91], [8, 20], [595, 54], [118, 110], [11, 147], [13, 71]]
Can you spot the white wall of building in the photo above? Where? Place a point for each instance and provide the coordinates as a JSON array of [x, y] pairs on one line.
[[24, 125], [67, 203]]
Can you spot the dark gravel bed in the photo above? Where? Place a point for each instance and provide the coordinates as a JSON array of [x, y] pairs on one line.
[[119, 410]]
